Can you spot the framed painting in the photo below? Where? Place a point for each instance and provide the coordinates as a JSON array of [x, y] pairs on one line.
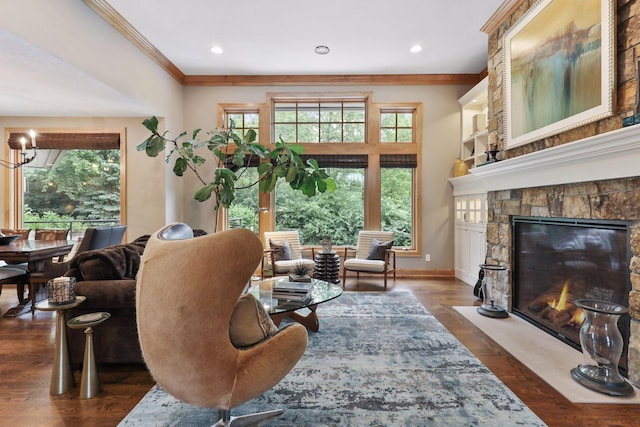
[[559, 68]]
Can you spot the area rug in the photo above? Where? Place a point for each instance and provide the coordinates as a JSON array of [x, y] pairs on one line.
[[379, 359], [548, 357]]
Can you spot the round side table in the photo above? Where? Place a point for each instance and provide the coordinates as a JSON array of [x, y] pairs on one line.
[[90, 384], [62, 375], [327, 266]]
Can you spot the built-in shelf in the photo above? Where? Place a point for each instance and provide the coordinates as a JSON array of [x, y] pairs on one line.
[[473, 125]]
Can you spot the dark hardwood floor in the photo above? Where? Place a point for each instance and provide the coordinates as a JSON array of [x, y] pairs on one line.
[[27, 344]]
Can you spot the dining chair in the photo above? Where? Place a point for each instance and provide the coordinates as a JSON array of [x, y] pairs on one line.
[[51, 234], [23, 232], [373, 254]]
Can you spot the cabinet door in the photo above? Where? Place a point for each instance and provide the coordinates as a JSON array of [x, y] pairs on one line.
[[477, 249], [461, 255]]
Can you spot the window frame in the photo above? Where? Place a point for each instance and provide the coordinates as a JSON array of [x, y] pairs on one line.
[[372, 148], [14, 178]]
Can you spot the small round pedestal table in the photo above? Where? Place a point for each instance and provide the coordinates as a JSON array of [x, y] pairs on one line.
[[90, 384], [62, 375], [327, 266]]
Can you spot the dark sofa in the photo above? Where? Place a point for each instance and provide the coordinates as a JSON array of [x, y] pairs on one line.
[[106, 277]]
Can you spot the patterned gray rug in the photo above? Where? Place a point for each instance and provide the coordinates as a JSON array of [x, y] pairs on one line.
[[379, 359]]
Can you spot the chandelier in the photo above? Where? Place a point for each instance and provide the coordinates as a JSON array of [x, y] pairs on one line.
[[24, 157]]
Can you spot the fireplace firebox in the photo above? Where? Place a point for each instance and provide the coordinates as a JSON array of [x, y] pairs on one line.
[[559, 260]]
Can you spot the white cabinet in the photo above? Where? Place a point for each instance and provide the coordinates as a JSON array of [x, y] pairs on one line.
[[470, 241], [474, 134]]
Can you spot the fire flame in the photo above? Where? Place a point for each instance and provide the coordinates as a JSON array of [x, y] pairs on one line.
[[578, 317], [561, 303]]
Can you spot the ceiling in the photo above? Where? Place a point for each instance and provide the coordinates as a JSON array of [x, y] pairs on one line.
[[278, 37], [258, 37]]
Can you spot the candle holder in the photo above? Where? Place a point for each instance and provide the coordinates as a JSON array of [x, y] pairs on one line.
[[601, 343], [489, 294]]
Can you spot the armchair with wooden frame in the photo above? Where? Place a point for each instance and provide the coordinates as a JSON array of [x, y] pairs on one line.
[[373, 254], [284, 258]]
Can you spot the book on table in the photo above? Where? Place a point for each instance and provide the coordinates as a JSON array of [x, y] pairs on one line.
[[292, 291]]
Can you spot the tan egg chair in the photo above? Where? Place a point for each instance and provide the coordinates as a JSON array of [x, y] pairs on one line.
[[187, 289]]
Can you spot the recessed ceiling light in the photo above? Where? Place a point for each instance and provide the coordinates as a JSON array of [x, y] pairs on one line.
[[321, 50], [415, 48], [216, 49]]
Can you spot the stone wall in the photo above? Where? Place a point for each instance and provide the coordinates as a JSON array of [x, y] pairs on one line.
[[612, 199], [617, 199], [628, 39]]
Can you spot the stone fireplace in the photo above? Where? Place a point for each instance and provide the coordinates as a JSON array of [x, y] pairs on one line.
[[588, 172], [597, 178]]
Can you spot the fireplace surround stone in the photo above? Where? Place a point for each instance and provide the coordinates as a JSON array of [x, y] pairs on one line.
[[617, 199]]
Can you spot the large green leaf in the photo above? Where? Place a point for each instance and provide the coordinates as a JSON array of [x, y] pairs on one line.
[[180, 166], [154, 146], [205, 192], [152, 124]]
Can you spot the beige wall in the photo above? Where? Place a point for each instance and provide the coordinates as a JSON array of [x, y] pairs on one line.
[[145, 177], [85, 41], [441, 146], [154, 196]]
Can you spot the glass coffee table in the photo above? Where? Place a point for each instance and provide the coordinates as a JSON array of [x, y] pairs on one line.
[[278, 309]]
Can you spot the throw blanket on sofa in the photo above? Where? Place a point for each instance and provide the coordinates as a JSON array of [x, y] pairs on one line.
[[110, 263]]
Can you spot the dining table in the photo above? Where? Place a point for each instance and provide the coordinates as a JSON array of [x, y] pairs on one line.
[[35, 254]]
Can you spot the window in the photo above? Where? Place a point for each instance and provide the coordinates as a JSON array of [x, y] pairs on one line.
[[378, 178], [74, 182], [397, 196], [320, 122], [80, 189], [338, 215], [245, 121], [244, 212], [396, 126]]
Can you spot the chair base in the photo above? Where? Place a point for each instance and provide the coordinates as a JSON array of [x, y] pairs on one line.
[[256, 419]]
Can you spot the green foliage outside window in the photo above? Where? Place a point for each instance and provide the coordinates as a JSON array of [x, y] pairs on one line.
[[339, 215], [85, 185], [396, 201]]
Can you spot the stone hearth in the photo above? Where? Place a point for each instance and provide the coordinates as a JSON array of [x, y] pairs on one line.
[[594, 178]]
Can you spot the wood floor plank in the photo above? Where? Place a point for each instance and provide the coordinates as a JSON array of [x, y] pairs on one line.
[[27, 343]]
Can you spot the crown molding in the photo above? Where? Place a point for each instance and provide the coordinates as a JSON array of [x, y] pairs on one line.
[[336, 80], [117, 21], [498, 17]]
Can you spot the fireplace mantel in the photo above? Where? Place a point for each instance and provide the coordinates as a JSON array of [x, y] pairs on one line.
[[609, 155]]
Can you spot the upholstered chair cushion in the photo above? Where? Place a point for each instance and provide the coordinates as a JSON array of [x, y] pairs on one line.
[[378, 249], [281, 250], [250, 323]]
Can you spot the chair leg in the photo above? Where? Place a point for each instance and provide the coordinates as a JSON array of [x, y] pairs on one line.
[[226, 420], [385, 280]]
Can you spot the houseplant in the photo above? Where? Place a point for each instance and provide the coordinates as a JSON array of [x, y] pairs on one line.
[[231, 156], [300, 273]]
